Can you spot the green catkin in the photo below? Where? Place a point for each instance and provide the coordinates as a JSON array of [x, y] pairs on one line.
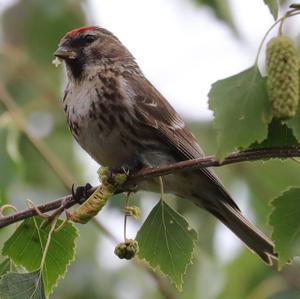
[[132, 211], [98, 199], [127, 250], [282, 80]]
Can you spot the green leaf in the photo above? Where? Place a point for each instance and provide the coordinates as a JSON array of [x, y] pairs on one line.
[[286, 226], [273, 7], [242, 110], [166, 241], [22, 286], [294, 124], [279, 135], [25, 248], [222, 9], [4, 267]]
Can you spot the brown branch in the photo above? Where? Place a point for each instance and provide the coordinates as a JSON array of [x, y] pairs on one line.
[[60, 204], [210, 161]]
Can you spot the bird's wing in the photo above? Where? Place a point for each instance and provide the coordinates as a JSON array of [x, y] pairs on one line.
[[154, 111]]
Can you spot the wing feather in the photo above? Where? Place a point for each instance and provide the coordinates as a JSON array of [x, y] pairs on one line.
[[156, 112]]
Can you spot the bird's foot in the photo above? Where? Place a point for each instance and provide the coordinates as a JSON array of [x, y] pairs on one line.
[[80, 194], [114, 177]]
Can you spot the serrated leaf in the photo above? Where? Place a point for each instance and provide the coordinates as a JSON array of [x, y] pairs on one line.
[[273, 7], [294, 124], [279, 135], [22, 286], [242, 110], [166, 241], [286, 226], [25, 248], [4, 267]]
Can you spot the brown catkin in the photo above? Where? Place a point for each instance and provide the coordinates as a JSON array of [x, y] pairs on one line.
[[282, 81]]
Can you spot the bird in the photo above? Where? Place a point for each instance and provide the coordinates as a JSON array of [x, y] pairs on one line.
[[121, 120]]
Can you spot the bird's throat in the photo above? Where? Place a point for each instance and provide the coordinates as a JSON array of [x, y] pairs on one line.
[[75, 68]]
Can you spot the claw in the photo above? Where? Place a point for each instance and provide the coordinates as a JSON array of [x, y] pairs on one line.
[[124, 169], [110, 176], [80, 194]]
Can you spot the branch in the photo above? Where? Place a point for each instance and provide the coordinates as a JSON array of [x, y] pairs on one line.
[[210, 161]]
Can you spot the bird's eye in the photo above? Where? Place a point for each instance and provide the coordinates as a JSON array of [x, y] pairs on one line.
[[89, 38]]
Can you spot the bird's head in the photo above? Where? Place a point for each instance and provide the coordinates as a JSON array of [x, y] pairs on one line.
[[85, 48]]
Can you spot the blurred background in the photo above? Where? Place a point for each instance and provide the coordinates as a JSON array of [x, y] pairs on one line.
[[183, 46]]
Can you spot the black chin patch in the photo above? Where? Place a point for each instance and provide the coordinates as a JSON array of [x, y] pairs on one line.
[[76, 66]]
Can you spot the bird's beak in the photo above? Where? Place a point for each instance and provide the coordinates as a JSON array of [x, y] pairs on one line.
[[65, 53]]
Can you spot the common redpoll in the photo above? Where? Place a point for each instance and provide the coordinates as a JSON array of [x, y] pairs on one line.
[[119, 118]]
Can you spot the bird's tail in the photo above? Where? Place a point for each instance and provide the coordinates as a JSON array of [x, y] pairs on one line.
[[256, 240], [207, 192]]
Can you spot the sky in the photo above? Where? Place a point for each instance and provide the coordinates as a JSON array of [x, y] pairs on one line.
[[181, 48]]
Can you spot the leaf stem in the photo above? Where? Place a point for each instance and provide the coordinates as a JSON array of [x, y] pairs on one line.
[[161, 184], [289, 14], [125, 217], [53, 224]]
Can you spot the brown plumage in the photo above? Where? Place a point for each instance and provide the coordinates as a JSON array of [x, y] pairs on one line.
[[120, 119]]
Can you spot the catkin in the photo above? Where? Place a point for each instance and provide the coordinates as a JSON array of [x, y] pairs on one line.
[[282, 80], [127, 250], [98, 199]]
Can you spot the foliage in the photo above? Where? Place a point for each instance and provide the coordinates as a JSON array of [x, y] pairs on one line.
[[273, 7], [22, 286], [243, 119], [235, 105], [242, 102], [27, 245], [284, 219], [294, 124], [222, 10], [4, 267], [166, 241]]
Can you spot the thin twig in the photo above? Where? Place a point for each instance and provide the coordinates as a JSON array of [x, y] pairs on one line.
[[210, 161], [163, 284], [59, 205]]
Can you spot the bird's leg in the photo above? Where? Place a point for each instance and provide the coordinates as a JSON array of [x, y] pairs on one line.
[[114, 178], [113, 172], [80, 194]]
